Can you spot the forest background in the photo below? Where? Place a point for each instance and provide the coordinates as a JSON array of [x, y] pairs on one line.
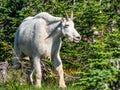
[[95, 59]]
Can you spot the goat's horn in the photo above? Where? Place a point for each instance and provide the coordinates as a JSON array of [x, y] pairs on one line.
[[71, 15], [66, 15]]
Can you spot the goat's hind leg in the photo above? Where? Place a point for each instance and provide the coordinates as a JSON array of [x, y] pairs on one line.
[[16, 59], [37, 68], [29, 73], [17, 64], [16, 53]]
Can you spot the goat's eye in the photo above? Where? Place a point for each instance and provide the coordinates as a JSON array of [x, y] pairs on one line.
[[66, 26]]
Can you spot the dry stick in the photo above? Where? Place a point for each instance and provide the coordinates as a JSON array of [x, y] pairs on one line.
[[3, 70], [71, 76]]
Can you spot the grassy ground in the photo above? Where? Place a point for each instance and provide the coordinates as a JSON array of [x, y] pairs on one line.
[[50, 83], [17, 86]]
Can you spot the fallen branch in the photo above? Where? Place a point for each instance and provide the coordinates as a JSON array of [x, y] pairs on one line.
[[71, 78], [3, 70]]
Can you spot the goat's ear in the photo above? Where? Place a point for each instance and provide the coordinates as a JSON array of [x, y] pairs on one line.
[[67, 17]]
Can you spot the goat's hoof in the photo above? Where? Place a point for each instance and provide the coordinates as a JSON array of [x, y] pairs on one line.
[[63, 87], [38, 86]]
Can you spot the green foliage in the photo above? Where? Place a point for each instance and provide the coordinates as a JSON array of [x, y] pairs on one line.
[[96, 56]]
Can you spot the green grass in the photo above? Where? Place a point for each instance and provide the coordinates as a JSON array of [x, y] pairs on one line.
[[17, 86], [50, 83]]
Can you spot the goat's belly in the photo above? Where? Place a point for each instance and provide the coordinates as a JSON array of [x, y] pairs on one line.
[[46, 54], [26, 50], [43, 51]]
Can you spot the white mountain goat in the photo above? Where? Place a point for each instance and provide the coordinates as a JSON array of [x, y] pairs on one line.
[[40, 37]]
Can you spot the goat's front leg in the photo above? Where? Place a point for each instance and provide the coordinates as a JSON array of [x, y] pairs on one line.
[[59, 68], [37, 67]]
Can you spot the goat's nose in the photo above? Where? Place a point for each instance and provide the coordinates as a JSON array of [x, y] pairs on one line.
[[78, 37]]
